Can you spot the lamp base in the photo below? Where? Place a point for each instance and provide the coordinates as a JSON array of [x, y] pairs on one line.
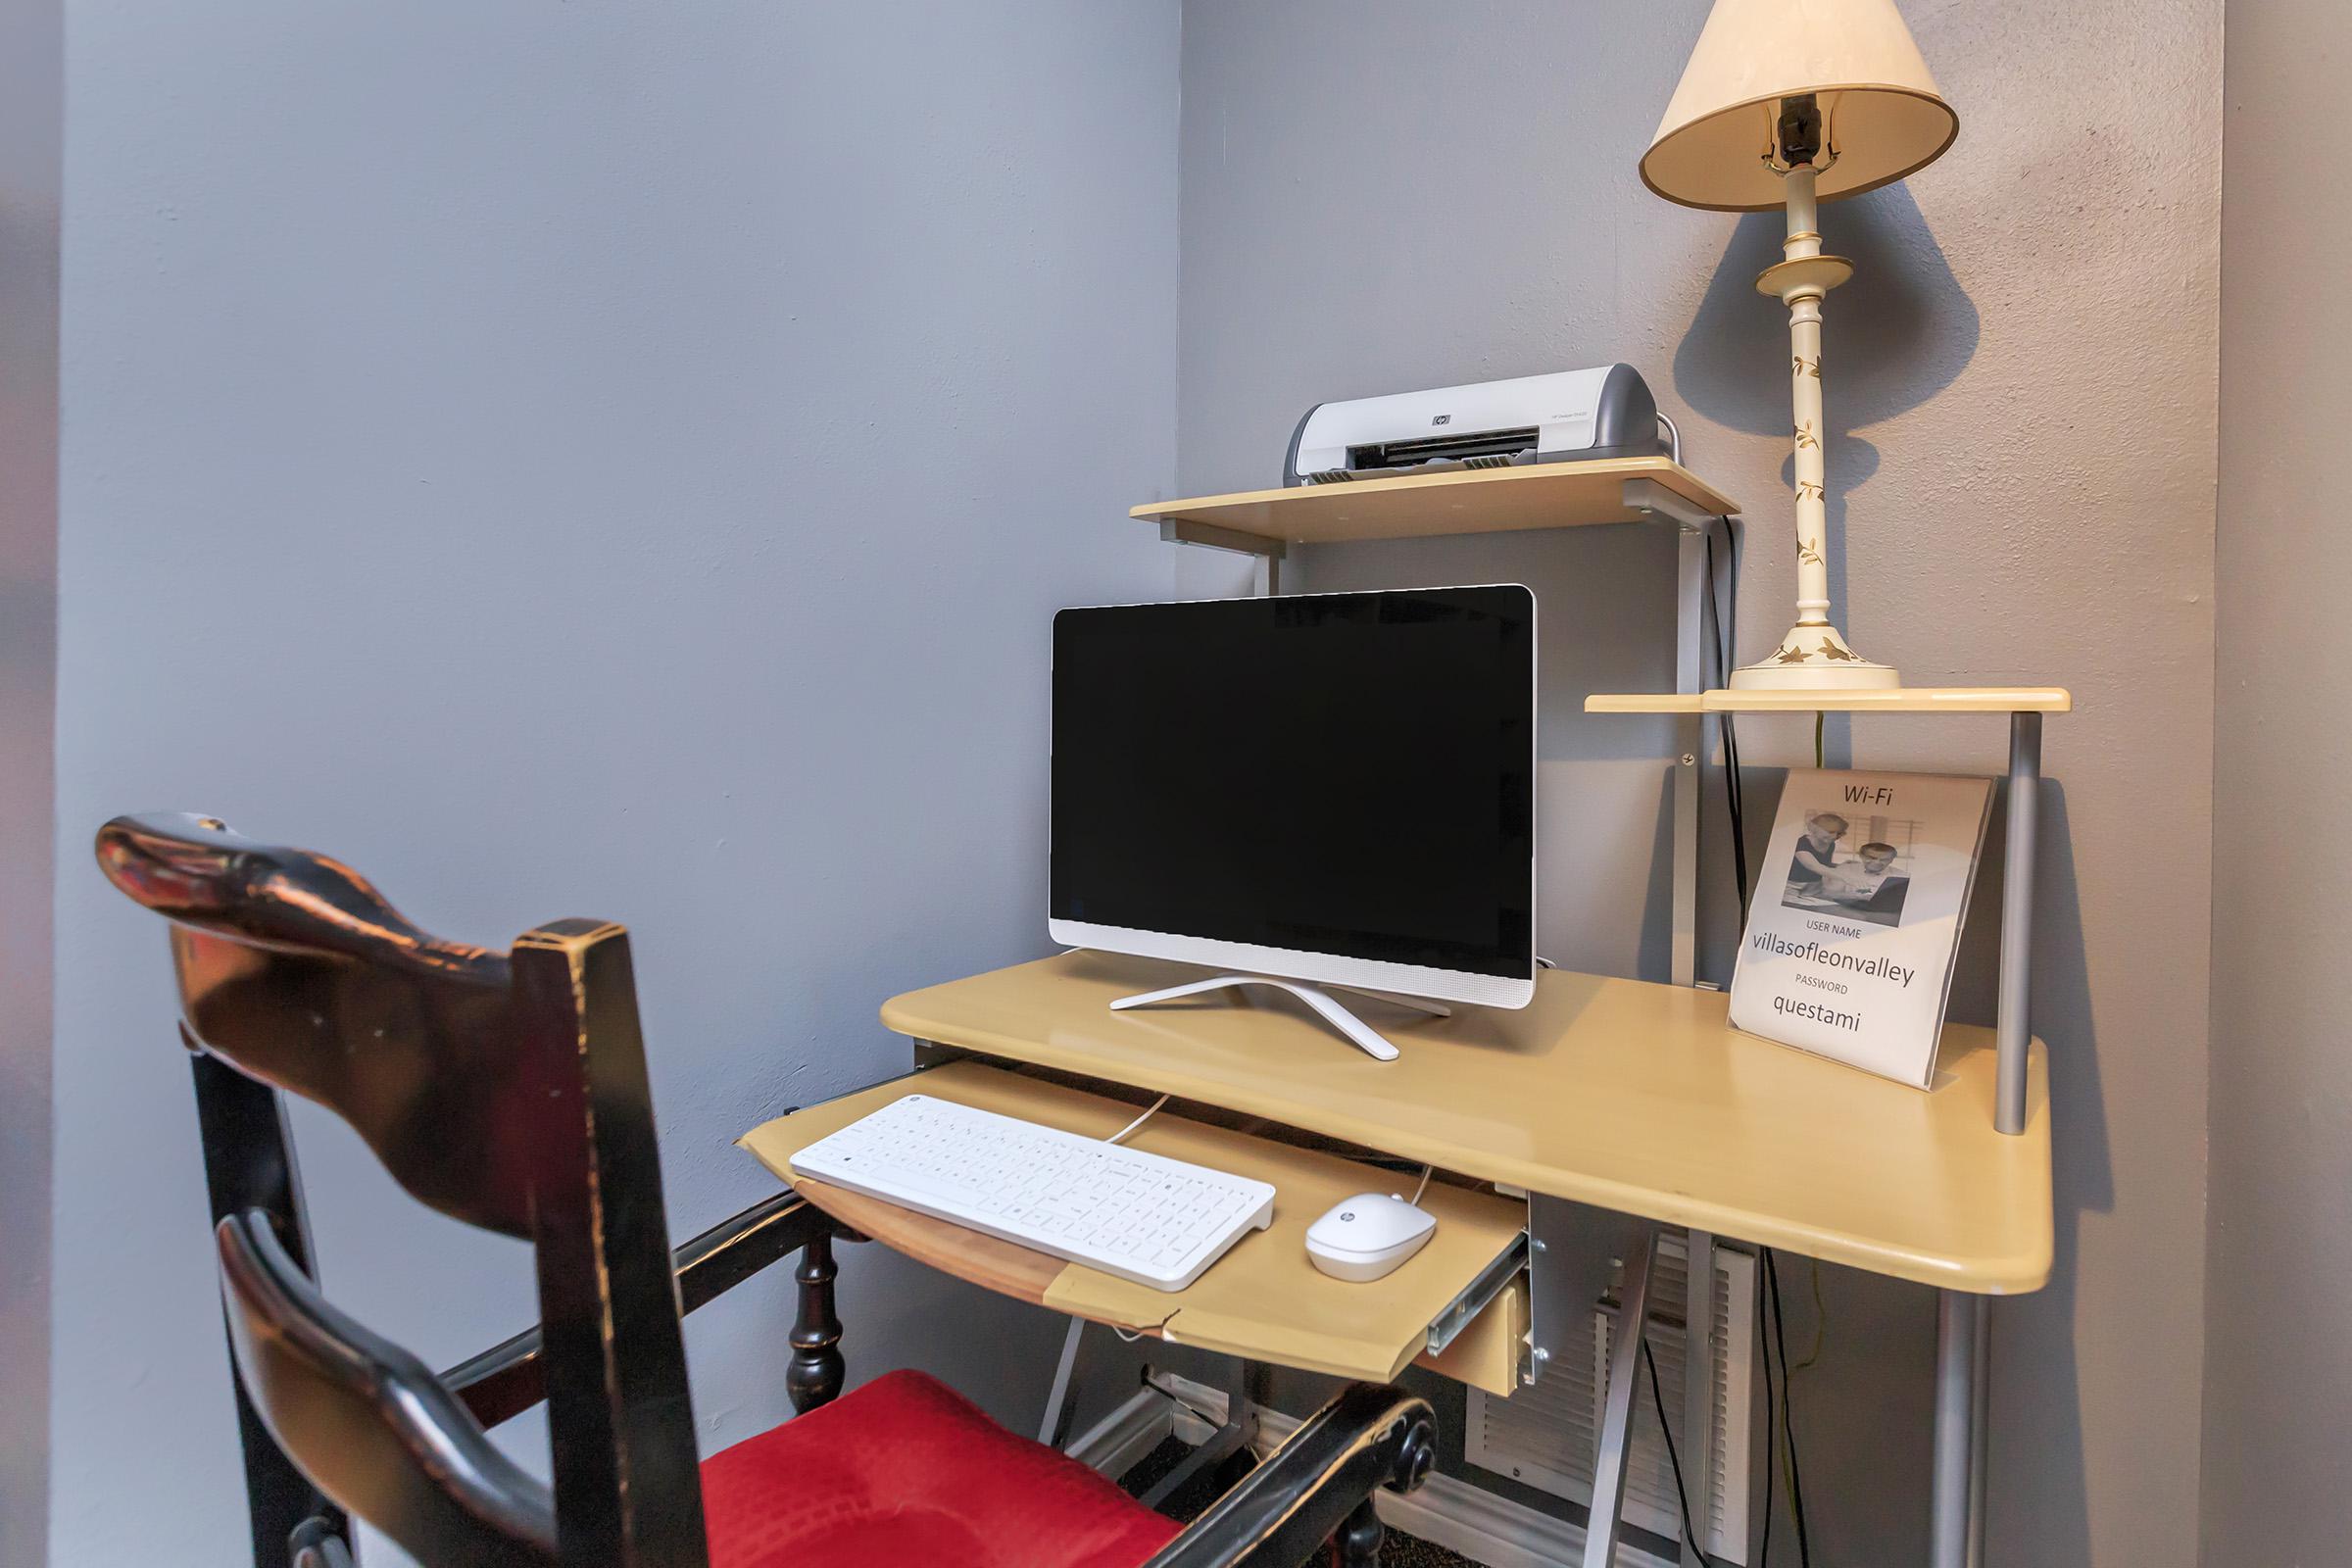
[[1815, 659]]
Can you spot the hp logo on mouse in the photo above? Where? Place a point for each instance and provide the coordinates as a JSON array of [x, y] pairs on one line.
[[1442, 418]]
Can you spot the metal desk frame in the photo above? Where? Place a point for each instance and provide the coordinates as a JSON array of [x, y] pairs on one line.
[[1963, 1319]]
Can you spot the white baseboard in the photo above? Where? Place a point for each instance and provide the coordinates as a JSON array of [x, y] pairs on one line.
[[1446, 1512]]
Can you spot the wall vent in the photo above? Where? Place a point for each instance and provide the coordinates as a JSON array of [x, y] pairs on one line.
[[1545, 1434]]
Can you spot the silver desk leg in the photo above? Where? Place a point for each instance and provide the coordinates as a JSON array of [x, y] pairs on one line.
[[1698, 1388], [1617, 1410], [1957, 1315], [1056, 1425], [1689, 602], [2014, 1022], [1980, 1400]]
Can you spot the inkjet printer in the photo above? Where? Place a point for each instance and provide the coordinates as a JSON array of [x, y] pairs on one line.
[[1570, 414]]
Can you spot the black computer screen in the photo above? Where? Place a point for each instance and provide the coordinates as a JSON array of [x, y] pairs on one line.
[[1333, 773]]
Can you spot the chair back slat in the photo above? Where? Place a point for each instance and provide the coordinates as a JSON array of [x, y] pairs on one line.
[[249, 1168], [373, 1428], [617, 1412]]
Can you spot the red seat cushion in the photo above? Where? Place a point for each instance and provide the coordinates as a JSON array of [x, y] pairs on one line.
[[905, 1472]]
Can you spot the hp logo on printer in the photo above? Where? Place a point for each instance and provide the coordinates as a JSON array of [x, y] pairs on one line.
[[1442, 418]]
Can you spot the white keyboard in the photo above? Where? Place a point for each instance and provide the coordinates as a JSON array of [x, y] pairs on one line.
[[1156, 1221]]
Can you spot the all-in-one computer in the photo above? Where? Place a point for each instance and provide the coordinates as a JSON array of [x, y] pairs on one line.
[[1307, 791]]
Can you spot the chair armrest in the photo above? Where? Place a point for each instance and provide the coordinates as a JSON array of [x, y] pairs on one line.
[[508, 1379], [1369, 1437], [734, 1249]]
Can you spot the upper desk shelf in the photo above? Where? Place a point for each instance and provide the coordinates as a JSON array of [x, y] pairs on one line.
[[1546, 494], [1896, 699]]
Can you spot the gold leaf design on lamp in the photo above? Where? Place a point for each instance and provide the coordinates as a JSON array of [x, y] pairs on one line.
[[1806, 438], [1843, 656], [1798, 364], [1809, 552], [1789, 654], [1808, 490]]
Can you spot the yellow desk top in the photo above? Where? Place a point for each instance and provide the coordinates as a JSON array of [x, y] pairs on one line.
[[1629, 1096]]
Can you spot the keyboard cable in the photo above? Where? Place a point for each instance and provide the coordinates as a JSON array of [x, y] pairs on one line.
[[1122, 1134]]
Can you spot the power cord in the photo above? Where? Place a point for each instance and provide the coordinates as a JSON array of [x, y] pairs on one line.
[[1724, 605], [1772, 1442], [1793, 1474], [1658, 1402]]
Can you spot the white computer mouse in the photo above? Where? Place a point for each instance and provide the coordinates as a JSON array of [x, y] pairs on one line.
[[1368, 1235]]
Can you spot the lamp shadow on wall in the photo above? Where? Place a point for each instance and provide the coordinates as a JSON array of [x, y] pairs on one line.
[[1897, 336], [1894, 338]]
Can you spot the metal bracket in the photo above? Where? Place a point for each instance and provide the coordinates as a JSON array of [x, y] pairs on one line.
[[1654, 500], [1237, 1431], [930, 1054], [1184, 531], [1556, 1307], [1476, 1296]]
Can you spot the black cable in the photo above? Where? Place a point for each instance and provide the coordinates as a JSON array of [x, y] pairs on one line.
[[1658, 1402], [1734, 772], [1772, 1451], [1727, 618], [1797, 1481]]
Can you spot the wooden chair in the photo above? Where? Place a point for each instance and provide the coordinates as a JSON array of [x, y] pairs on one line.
[[509, 1090]]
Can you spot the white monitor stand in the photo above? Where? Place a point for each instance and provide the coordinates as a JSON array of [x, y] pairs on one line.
[[1316, 996]]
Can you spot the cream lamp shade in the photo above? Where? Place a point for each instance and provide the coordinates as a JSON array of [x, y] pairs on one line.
[[1882, 116]]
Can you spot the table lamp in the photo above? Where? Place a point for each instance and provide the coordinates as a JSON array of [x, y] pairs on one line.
[[1791, 102]]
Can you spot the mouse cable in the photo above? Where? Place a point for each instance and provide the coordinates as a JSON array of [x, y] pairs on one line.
[[1137, 1122], [1427, 1171]]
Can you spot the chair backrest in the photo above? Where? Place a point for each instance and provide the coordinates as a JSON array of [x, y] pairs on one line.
[[506, 1090]]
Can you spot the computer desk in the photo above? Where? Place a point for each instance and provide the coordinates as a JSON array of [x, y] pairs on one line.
[[1605, 1094]]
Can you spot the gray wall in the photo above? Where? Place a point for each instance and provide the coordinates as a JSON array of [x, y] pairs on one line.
[[1380, 195], [28, 219], [2277, 1363], [606, 461], [486, 438]]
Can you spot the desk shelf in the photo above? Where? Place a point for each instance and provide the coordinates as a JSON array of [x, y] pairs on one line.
[[1896, 699], [1544, 495]]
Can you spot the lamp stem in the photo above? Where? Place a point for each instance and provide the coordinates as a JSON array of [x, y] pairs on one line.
[[1812, 655], [1811, 432]]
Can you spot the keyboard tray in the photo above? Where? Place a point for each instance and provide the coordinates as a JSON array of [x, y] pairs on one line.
[[1262, 1299]]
